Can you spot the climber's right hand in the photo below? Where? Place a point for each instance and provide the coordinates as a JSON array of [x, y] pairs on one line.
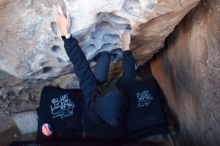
[[62, 20], [126, 40]]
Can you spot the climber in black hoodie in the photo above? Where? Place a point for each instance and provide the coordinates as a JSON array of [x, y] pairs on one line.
[[96, 115], [103, 117]]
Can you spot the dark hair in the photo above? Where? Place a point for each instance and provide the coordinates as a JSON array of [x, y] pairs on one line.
[[144, 72]]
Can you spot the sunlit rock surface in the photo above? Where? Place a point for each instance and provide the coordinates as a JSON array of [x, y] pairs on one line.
[[31, 47]]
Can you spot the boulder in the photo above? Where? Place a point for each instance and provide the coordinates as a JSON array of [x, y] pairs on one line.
[[26, 122], [188, 71], [30, 43]]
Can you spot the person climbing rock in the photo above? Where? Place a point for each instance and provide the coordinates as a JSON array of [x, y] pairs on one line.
[[68, 114], [129, 107]]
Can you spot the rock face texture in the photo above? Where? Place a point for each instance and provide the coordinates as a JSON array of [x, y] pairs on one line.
[[31, 48], [32, 52], [188, 71]]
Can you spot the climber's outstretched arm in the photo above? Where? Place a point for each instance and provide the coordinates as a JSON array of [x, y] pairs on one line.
[[88, 83], [128, 61]]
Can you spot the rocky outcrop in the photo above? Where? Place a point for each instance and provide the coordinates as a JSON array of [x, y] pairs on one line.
[[32, 52], [31, 47], [188, 72]]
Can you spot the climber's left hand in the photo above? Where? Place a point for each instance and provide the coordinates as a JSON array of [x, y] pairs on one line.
[[62, 20], [126, 40]]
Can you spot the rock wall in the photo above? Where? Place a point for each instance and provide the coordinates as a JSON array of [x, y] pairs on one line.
[[31, 47], [32, 53], [188, 71], [187, 68]]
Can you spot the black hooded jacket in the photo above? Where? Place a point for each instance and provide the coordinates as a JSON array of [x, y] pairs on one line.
[[86, 114], [93, 116]]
